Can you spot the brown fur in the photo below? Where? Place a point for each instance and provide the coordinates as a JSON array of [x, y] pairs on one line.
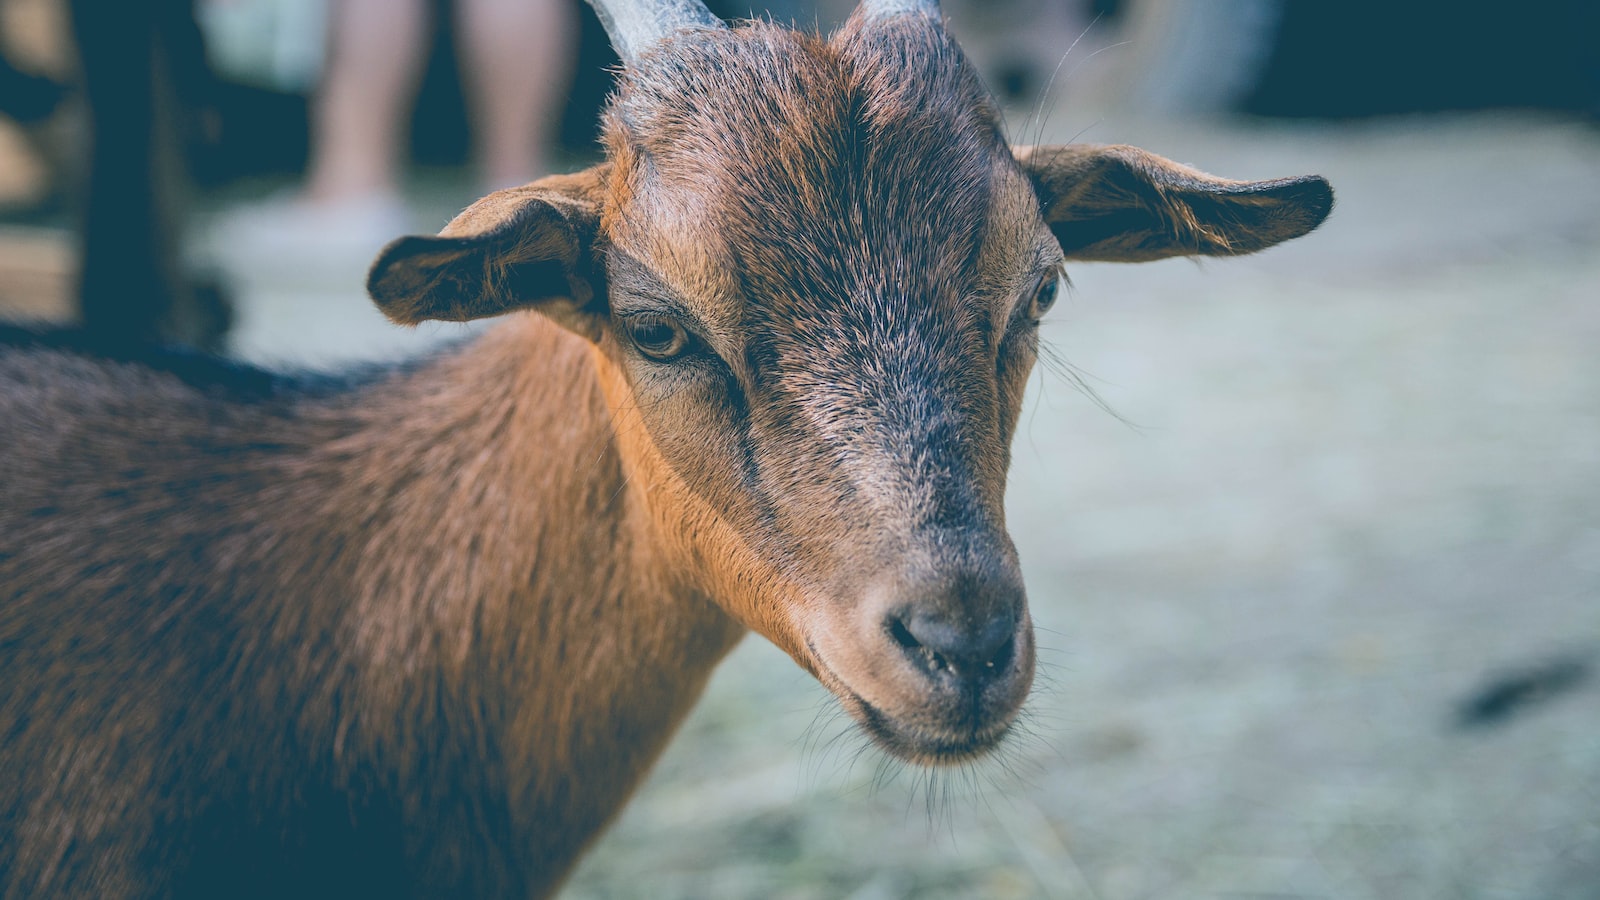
[[1126, 205], [380, 600], [422, 635]]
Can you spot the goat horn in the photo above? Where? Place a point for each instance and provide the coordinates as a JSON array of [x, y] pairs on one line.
[[882, 9], [634, 25]]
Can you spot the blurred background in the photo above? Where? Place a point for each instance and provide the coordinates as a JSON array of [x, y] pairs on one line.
[[1312, 537]]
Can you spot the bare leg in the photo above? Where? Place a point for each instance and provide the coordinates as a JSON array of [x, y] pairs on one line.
[[375, 59], [517, 58]]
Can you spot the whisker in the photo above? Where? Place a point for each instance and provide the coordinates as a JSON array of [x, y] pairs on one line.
[[1059, 366], [1080, 64], [1044, 95]]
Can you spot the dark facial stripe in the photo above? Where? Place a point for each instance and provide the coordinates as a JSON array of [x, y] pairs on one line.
[[849, 185]]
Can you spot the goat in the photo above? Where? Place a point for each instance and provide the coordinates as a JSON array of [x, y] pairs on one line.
[[421, 632]]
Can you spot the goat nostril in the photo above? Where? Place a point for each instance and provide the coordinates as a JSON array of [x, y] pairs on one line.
[[902, 635], [938, 645], [928, 657], [1002, 656]]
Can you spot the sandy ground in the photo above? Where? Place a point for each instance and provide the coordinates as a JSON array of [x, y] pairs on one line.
[[1319, 605]]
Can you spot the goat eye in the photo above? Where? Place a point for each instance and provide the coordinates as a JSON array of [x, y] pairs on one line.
[[658, 337], [1044, 296]]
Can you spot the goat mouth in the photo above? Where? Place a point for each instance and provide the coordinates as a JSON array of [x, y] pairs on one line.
[[915, 743], [923, 746]]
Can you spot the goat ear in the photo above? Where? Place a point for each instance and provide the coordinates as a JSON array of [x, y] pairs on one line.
[[1122, 204], [526, 247]]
